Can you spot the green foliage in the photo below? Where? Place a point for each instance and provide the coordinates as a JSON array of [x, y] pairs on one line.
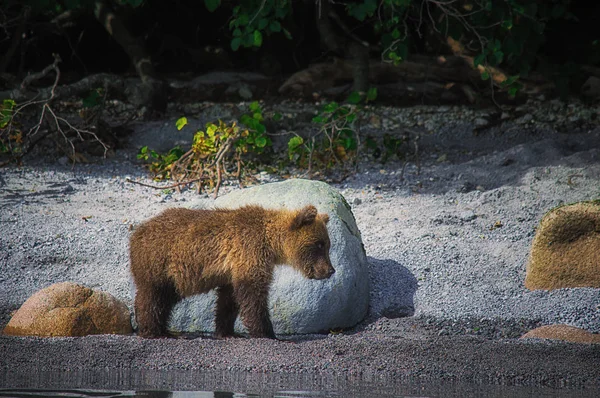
[[94, 98], [212, 5], [11, 137], [508, 33], [216, 151], [181, 123], [362, 10], [392, 146], [252, 19], [6, 112], [336, 142], [160, 165]]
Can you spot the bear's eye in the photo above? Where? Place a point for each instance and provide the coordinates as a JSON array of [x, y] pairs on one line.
[[320, 245]]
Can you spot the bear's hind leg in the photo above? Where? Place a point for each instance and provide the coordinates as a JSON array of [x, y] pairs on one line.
[[226, 312], [153, 306], [254, 309]]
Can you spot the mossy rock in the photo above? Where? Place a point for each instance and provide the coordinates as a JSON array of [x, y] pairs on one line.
[[564, 333], [68, 309], [565, 251]]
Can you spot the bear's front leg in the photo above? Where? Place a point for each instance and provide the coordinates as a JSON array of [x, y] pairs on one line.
[[253, 301], [153, 305], [226, 312]]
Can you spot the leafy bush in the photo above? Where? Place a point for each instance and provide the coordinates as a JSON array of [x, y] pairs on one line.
[[337, 140], [221, 149], [11, 137]]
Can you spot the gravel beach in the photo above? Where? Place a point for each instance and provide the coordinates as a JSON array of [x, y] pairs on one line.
[[447, 238]]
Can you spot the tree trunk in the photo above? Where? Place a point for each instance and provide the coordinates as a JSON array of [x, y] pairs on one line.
[[360, 67], [349, 46], [16, 40], [152, 91]]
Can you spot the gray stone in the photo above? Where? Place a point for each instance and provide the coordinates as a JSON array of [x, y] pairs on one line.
[[299, 305], [468, 215], [481, 122], [591, 87]]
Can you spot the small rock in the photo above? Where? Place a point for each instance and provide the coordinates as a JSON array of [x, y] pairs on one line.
[[466, 187], [566, 249], [69, 309], [481, 122], [468, 215], [245, 92], [527, 118], [563, 332], [591, 87]]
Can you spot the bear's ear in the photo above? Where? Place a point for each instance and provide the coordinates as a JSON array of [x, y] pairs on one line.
[[306, 216], [325, 217]]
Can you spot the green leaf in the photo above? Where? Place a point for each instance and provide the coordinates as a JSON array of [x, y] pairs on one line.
[[354, 98], [257, 116], [263, 23], [281, 12], [237, 33], [212, 5], [351, 118], [295, 142], [349, 143], [510, 80], [243, 19], [258, 39], [181, 122], [235, 43], [498, 57], [275, 26], [485, 75], [254, 106], [93, 99], [372, 94], [508, 24], [287, 34], [395, 34], [8, 103], [261, 141], [480, 59], [277, 117], [331, 107], [211, 129], [143, 153]]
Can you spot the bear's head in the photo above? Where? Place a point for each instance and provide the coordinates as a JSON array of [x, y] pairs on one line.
[[306, 244]]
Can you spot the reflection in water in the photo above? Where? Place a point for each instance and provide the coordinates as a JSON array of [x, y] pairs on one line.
[[125, 383], [41, 393]]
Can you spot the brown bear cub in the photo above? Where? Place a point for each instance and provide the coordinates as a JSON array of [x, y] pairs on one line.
[[184, 252]]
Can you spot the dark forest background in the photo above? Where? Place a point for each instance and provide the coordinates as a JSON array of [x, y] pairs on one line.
[[490, 52]]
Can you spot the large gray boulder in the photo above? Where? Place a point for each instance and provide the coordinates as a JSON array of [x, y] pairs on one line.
[[299, 305]]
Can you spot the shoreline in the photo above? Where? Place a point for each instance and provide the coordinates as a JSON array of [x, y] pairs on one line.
[[374, 356], [430, 235]]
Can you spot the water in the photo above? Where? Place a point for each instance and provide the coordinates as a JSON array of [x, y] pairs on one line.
[[172, 384]]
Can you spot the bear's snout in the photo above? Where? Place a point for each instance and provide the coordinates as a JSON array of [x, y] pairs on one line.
[[323, 271]]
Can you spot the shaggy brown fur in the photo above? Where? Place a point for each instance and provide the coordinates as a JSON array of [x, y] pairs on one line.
[[184, 252]]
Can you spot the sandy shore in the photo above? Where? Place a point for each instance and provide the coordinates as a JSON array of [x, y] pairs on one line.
[[435, 251]]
